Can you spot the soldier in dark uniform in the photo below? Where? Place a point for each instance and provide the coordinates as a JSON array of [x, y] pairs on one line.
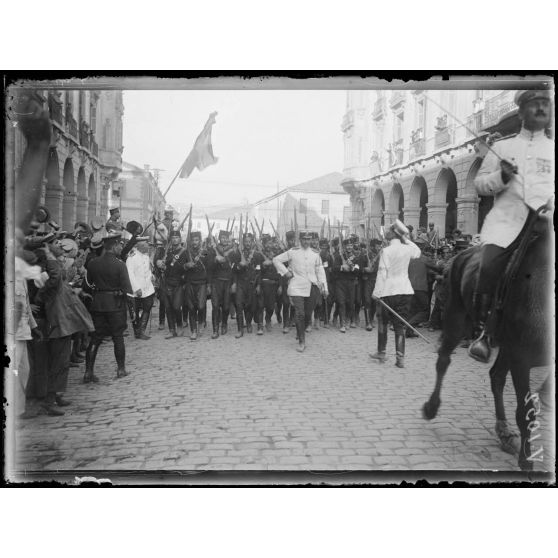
[[345, 278], [246, 269], [360, 262], [108, 279], [173, 280], [160, 238], [290, 237], [326, 301], [368, 282], [270, 279], [221, 279], [196, 283]]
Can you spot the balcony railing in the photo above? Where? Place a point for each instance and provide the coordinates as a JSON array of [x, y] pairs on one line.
[[475, 123], [55, 109], [418, 148], [84, 138], [379, 109]]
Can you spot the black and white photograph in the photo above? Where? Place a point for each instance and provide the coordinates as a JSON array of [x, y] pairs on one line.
[[279, 279]]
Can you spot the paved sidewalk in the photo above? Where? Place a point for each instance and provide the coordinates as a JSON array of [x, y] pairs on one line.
[[256, 404]]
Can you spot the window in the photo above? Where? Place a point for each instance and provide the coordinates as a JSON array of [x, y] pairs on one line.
[[303, 205], [421, 113], [325, 207], [399, 117], [347, 214]]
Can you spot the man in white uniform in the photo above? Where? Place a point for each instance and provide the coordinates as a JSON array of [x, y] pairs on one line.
[[307, 280], [519, 173], [139, 270], [394, 288]]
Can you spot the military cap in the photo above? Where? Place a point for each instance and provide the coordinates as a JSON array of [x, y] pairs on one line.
[[247, 235], [97, 240], [113, 210], [68, 245], [175, 232], [112, 235], [525, 95], [266, 237], [347, 241], [335, 241], [323, 243], [82, 225], [42, 214], [195, 234], [305, 235], [224, 234], [290, 235]]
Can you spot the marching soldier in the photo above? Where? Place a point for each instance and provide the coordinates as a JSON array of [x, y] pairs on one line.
[[108, 279], [327, 264], [173, 269], [307, 280], [221, 279], [196, 283], [519, 173], [247, 279], [269, 279], [368, 282], [394, 289], [345, 274], [160, 239], [284, 284]]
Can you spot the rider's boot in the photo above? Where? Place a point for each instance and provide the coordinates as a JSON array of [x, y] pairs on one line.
[[480, 347]]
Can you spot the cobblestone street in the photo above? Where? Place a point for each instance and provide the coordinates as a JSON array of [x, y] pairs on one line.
[[256, 404]]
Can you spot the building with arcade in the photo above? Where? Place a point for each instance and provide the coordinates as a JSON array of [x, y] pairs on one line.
[[414, 155]]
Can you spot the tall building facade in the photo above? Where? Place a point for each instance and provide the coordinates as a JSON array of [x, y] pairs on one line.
[[414, 154], [85, 156], [136, 193]]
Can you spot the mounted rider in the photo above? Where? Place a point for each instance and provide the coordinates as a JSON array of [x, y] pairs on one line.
[[519, 173]]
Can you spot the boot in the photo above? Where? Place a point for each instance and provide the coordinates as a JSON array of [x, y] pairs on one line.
[[172, 333], [240, 325], [180, 331], [316, 323], [215, 324], [224, 329], [380, 355], [400, 350], [120, 355], [90, 356], [268, 325], [161, 325], [249, 328], [260, 329], [48, 406], [480, 348], [300, 335], [369, 326], [193, 328], [142, 327]]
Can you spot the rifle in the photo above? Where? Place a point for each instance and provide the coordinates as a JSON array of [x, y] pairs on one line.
[[232, 224], [296, 228], [322, 230], [228, 221], [256, 240], [367, 237], [328, 229], [283, 247], [241, 242], [210, 238], [186, 247]]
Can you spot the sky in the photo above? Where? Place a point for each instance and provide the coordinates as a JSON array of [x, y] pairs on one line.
[[264, 140]]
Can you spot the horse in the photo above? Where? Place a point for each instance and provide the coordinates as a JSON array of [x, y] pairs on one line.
[[524, 333]]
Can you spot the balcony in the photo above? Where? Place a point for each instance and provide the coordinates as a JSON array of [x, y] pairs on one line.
[[397, 97], [379, 110], [55, 109], [72, 125], [94, 147], [442, 134], [417, 148], [475, 123]]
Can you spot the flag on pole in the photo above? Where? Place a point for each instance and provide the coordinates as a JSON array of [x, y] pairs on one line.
[[201, 155]]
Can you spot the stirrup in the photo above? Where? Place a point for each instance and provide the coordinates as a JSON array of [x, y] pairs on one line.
[[479, 349]]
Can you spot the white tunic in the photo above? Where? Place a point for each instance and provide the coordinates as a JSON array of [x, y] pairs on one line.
[[306, 267], [533, 186], [139, 270], [393, 269]]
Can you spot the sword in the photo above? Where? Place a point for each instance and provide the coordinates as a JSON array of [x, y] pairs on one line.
[[399, 317]]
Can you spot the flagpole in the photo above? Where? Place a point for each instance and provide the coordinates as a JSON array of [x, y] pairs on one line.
[[173, 180]]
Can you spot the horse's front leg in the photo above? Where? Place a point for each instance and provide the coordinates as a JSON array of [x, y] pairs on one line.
[[508, 439], [526, 415]]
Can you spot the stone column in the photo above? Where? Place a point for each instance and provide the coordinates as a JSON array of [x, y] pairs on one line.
[[53, 202], [82, 208], [69, 211], [437, 215], [412, 217], [468, 214]]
